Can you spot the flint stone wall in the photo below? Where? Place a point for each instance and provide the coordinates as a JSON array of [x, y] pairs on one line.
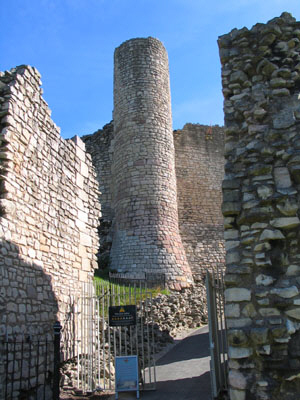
[[199, 161], [261, 189], [49, 211]]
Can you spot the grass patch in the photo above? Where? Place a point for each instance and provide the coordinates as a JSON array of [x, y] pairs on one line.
[[121, 294]]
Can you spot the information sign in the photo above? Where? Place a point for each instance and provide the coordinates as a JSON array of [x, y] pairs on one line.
[[122, 315], [127, 378]]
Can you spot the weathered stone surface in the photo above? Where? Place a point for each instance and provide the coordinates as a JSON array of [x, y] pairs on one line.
[[282, 177], [287, 207], [294, 313], [264, 157], [285, 293], [285, 223], [41, 270], [199, 167], [238, 323], [239, 352], [284, 119], [269, 234], [268, 312], [237, 380], [237, 294], [237, 394], [293, 270], [232, 310], [264, 280], [259, 335], [249, 311]]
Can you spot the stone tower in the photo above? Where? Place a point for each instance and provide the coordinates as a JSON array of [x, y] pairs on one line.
[[146, 236]]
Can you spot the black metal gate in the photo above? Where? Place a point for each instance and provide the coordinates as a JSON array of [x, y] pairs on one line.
[[30, 366], [99, 342], [217, 332]]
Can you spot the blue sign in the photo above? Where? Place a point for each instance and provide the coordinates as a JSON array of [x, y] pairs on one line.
[[127, 377]]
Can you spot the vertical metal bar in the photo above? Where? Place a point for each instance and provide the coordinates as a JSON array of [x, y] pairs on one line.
[[103, 335], [137, 322], [211, 334], [221, 316], [125, 330], [225, 332], [153, 344], [37, 369], [6, 372], [81, 340], [110, 302], [83, 366], [13, 367], [45, 369], [148, 337], [130, 328], [56, 375], [119, 328], [142, 332], [77, 323], [82, 336], [29, 364], [97, 376], [21, 366], [92, 334], [220, 329], [90, 337]]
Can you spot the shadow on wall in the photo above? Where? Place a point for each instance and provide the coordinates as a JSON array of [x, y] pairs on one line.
[[28, 304], [28, 310]]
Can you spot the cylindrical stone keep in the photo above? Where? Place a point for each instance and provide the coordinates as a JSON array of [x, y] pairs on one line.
[[146, 235]]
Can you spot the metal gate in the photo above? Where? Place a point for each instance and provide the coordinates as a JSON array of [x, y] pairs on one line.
[[98, 343], [217, 332]]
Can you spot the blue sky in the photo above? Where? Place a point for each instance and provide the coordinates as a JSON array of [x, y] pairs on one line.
[[71, 43]]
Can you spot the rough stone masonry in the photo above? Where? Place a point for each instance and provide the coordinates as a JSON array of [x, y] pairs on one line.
[[161, 203], [146, 235], [50, 199], [49, 210], [261, 189]]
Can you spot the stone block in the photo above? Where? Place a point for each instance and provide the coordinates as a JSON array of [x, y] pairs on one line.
[[285, 222], [237, 295], [273, 234], [232, 310], [237, 380], [282, 177], [294, 313], [239, 352]]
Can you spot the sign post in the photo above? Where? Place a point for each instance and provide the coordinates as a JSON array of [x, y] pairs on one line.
[[126, 367], [122, 315], [127, 377]]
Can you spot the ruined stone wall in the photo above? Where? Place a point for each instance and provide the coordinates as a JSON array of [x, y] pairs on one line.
[[261, 85], [100, 145], [49, 211], [146, 235], [199, 161]]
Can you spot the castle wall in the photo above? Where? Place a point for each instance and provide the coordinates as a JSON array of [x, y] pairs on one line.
[[199, 160], [261, 84], [146, 236], [48, 211], [100, 145]]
